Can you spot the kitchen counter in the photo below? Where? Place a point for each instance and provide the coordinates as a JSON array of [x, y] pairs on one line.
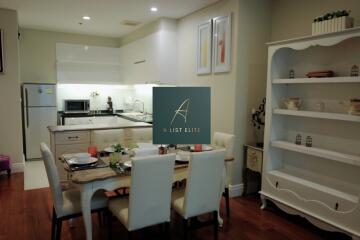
[[98, 126], [103, 113]]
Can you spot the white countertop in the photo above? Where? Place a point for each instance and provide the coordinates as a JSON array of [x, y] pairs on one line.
[[98, 126]]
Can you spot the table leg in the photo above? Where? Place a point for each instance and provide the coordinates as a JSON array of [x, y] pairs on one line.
[[86, 195], [263, 202], [220, 220]]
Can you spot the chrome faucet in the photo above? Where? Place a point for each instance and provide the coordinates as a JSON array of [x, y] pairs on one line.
[[143, 105]]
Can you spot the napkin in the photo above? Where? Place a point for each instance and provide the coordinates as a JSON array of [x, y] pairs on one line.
[[146, 151]]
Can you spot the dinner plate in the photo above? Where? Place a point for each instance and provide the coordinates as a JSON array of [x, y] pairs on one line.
[[127, 164], [204, 148], [83, 161]]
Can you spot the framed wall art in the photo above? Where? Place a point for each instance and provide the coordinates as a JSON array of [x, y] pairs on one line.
[[1, 52], [221, 44], [204, 48]]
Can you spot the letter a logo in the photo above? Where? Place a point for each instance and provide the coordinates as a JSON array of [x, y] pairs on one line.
[[182, 111]]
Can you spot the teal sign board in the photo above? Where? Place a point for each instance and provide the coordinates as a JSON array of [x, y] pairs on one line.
[[181, 115]]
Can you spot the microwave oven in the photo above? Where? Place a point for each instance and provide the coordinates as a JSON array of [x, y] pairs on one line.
[[77, 106]]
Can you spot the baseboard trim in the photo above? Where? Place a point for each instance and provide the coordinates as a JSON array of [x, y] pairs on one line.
[[236, 190], [17, 167]]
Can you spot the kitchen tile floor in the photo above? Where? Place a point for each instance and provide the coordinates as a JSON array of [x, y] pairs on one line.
[[35, 175]]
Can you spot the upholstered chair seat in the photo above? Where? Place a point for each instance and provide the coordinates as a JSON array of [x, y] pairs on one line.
[[67, 203], [226, 141], [150, 193], [201, 194]]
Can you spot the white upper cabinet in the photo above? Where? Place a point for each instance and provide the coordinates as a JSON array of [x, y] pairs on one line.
[[87, 64], [151, 59]]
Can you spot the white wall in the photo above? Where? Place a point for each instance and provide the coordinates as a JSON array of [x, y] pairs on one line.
[[10, 103], [292, 18], [235, 93]]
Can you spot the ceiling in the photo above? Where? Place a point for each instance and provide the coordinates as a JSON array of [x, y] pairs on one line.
[[106, 15]]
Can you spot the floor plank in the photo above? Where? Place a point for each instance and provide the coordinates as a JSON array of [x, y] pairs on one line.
[[27, 215]]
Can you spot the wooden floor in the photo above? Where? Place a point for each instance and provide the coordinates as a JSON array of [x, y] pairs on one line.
[[27, 215]]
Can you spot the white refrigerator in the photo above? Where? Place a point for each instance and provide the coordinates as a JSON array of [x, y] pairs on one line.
[[40, 111]]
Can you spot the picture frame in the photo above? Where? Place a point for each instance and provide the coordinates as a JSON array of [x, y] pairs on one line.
[[222, 44], [204, 46], [1, 52]]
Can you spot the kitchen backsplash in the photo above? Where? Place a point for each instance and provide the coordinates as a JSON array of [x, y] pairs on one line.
[[123, 96]]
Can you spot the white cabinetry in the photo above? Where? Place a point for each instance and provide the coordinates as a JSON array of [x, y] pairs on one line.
[[68, 142], [87, 64], [96, 120], [322, 182], [151, 59]]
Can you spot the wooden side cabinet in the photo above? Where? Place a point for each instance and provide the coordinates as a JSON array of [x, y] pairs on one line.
[[253, 157]]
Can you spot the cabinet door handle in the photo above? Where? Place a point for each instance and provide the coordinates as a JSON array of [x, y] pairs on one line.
[[75, 137]]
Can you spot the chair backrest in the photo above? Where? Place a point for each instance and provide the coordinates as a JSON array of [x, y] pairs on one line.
[[105, 138], [225, 140], [203, 187], [53, 176], [150, 191]]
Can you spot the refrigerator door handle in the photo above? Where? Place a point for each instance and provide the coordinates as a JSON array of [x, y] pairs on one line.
[[27, 108]]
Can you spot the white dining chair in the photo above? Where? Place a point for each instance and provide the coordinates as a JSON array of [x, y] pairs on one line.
[[225, 140], [201, 194], [150, 194], [67, 204]]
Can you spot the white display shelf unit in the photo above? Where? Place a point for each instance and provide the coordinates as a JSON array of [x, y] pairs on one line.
[[318, 152], [317, 80], [322, 115], [295, 177], [319, 183]]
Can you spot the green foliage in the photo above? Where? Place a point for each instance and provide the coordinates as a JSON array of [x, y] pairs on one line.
[[117, 147], [332, 15]]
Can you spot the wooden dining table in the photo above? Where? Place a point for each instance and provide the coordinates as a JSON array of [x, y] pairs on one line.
[[91, 180]]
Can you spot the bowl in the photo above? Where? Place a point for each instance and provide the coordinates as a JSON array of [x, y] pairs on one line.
[[354, 106], [292, 103]]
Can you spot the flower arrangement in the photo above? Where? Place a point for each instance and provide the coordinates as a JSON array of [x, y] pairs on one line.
[[332, 22], [258, 121]]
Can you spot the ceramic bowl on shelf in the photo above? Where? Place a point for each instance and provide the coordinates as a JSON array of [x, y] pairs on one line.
[[292, 103], [354, 106]]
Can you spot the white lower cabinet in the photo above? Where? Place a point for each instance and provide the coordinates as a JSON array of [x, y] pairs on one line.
[[69, 142]]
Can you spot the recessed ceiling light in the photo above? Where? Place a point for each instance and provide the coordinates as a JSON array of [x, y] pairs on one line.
[[153, 9], [86, 18]]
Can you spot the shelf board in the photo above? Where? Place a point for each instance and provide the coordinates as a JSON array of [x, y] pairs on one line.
[[317, 80], [290, 176], [322, 115], [318, 152]]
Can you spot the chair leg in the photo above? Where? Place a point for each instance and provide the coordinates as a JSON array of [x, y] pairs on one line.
[[186, 228], [8, 172], [109, 223], [167, 230], [216, 225], [227, 201], [100, 218], [58, 229], [129, 235], [53, 224]]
